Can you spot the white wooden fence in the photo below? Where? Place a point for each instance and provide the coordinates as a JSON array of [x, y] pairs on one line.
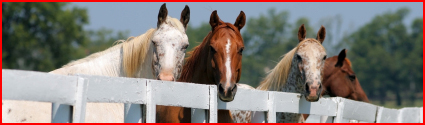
[[142, 95]]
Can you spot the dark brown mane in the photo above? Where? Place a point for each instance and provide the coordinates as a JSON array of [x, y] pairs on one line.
[[197, 55]]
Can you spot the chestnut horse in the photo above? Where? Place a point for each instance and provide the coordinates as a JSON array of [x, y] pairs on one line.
[[216, 61], [340, 80]]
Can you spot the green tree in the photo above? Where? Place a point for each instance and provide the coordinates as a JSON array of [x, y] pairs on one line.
[[41, 36], [197, 34], [102, 39], [45, 36], [261, 34], [385, 57]]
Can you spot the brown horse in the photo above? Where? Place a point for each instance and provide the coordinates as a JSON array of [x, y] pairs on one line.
[[340, 80], [216, 61]]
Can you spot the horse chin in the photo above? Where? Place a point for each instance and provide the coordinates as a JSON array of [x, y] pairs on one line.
[[312, 98], [225, 99]]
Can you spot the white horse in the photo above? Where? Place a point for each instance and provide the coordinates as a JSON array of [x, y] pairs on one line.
[[157, 54]]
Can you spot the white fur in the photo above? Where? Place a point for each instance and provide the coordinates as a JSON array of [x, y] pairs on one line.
[[227, 64]]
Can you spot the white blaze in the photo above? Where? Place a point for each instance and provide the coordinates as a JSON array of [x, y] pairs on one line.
[[228, 70]]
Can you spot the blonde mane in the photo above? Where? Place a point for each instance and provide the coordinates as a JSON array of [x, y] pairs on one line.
[[135, 49], [277, 77], [134, 52]]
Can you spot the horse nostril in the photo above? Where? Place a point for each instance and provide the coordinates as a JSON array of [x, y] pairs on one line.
[[306, 88], [235, 87], [220, 88]]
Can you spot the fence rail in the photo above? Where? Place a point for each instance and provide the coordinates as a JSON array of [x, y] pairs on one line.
[[142, 95]]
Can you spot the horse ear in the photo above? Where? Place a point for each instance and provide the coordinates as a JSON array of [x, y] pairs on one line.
[[302, 32], [185, 16], [240, 21], [321, 34], [162, 15], [214, 19], [341, 58]]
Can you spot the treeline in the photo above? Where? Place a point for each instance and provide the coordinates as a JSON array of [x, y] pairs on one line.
[[386, 53], [44, 36]]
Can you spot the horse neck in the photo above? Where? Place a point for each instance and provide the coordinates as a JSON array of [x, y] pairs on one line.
[[146, 69], [195, 70], [294, 82], [110, 63], [107, 64]]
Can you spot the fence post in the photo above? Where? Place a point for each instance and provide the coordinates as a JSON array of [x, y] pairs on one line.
[[150, 103], [61, 113], [213, 104], [421, 115], [379, 114], [271, 114], [339, 114], [198, 115], [79, 112], [133, 113]]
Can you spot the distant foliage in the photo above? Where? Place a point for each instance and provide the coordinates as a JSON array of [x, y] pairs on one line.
[[43, 36], [387, 56]]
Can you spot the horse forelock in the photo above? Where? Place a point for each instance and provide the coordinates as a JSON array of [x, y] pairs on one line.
[[175, 23]]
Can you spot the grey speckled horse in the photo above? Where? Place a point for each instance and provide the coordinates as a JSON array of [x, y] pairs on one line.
[[300, 71]]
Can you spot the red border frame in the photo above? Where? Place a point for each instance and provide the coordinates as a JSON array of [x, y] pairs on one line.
[[216, 1]]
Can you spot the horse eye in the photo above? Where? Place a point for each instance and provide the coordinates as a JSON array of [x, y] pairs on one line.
[[324, 58], [185, 47], [298, 57], [241, 50], [352, 77], [212, 49]]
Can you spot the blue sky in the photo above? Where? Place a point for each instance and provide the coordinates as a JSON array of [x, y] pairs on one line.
[[137, 17]]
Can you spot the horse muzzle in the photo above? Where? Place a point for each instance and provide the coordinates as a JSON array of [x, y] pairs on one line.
[[227, 94]]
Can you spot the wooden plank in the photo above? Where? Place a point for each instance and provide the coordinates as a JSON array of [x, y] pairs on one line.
[[271, 114], [61, 113], [258, 117], [386, 115], [313, 119], [343, 120], [198, 116], [213, 105], [340, 110], [421, 115], [150, 104], [409, 115], [133, 113], [327, 119], [256, 99], [355, 110], [79, 112], [38, 86], [180, 94], [295, 103], [115, 89]]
